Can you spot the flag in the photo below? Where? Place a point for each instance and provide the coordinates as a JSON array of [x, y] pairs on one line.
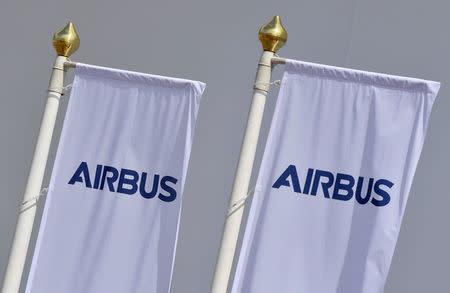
[[111, 217], [333, 184]]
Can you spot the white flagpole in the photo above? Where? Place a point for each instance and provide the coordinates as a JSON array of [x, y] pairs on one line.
[[272, 36], [66, 42]]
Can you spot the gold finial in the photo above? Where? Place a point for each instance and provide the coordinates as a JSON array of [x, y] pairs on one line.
[[66, 40], [272, 35]]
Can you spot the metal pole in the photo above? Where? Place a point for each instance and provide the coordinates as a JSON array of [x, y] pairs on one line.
[[66, 42], [272, 36]]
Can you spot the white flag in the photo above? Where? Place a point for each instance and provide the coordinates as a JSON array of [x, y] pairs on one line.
[[334, 181], [111, 218]]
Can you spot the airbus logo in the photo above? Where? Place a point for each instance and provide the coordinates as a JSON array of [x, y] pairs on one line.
[[338, 186], [126, 181]]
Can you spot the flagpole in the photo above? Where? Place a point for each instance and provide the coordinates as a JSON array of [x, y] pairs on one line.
[[66, 42], [272, 36]]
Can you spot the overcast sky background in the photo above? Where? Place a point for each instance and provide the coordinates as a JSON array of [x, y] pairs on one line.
[[216, 42]]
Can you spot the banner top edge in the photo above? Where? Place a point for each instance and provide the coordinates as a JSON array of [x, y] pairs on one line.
[[361, 76], [133, 76]]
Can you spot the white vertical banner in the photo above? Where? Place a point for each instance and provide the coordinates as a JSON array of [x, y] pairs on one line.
[[333, 184], [111, 217]]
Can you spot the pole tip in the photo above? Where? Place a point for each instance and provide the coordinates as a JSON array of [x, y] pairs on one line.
[[66, 40], [272, 35]]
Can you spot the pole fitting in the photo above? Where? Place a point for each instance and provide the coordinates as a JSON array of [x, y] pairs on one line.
[[262, 80], [57, 78]]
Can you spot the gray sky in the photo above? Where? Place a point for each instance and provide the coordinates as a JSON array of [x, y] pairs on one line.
[[216, 42]]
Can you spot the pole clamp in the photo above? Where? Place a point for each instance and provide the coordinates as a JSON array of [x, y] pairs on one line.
[[275, 82], [27, 204], [239, 203], [56, 90]]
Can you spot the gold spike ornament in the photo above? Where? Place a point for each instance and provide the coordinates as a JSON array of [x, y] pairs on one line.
[[66, 40], [272, 35]]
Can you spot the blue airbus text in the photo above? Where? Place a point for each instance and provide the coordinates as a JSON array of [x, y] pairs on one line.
[[340, 186], [128, 181]]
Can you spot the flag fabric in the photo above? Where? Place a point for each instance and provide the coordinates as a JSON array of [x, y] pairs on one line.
[[333, 184], [111, 217]]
